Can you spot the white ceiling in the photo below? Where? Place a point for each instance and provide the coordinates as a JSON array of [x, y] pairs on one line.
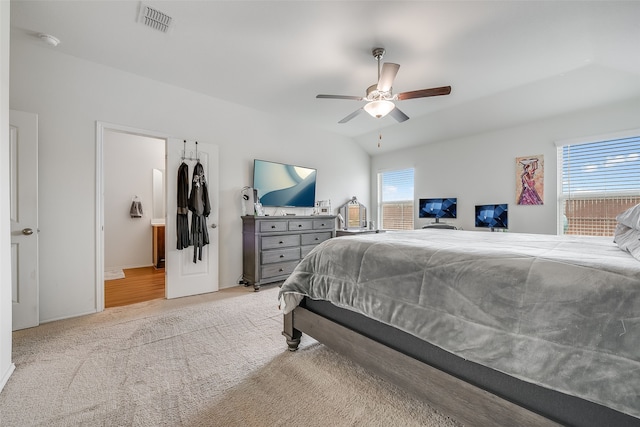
[[508, 62]]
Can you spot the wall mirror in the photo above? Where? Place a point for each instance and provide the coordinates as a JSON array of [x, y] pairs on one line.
[[354, 214], [158, 213]]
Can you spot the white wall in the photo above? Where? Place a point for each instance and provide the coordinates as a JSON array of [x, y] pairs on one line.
[[70, 95], [6, 366], [128, 162], [481, 169]]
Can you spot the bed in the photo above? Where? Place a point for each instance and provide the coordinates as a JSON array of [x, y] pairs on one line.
[[490, 328]]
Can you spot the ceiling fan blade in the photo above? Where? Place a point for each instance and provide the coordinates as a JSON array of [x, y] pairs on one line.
[[351, 116], [423, 93], [398, 115], [387, 76], [355, 98]]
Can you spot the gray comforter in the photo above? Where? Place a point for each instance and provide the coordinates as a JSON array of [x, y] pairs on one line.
[[562, 312]]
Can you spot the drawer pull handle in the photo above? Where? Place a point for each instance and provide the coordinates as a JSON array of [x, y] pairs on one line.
[[322, 225], [273, 226], [299, 225], [317, 238], [280, 242], [281, 270], [281, 256]]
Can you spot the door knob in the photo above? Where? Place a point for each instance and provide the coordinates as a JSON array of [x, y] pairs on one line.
[[214, 225], [27, 231]]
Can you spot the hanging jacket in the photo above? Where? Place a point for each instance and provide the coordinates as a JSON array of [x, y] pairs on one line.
[[182, 220], [200, 209], [136, 208]]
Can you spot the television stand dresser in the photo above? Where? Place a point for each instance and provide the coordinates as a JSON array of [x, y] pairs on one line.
[[273, 245]]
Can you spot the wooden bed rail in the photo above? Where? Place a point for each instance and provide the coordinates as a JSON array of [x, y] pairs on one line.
[[453, 397]]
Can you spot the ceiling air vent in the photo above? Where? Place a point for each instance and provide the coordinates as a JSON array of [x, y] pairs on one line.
[[154, 18]]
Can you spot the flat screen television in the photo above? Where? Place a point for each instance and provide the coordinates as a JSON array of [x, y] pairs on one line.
[[438, 208], [283, 185], [492, 216]]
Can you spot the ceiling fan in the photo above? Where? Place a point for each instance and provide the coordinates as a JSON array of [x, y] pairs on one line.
[[380, 97]]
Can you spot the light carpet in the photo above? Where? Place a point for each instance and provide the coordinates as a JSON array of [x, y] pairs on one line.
[[209, 360]]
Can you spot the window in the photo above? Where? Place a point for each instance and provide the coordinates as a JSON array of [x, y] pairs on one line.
[[599, 180], [395, 195]]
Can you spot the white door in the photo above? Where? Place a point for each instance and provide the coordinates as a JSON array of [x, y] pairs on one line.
[[184, 277], [24, 218]]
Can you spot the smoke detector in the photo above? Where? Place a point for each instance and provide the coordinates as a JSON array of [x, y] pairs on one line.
[[155, 19], [49, 39]]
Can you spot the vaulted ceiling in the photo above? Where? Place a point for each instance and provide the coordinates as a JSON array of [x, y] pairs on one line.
[[508, 62]]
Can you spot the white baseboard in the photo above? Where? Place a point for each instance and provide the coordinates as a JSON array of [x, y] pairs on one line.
[[125, 267]]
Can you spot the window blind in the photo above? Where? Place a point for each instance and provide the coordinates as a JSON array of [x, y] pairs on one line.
[[599, 180], [396, 199]]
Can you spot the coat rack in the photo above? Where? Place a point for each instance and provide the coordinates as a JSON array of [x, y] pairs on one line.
[[184, 152]]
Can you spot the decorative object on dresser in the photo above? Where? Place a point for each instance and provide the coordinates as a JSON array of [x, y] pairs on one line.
[[353, 215], [273, 246], [323, 207]]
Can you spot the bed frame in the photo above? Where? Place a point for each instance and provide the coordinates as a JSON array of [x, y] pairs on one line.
[[470, 393]]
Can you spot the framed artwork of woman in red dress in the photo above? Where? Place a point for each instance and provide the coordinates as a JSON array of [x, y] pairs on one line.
[[530, 180]]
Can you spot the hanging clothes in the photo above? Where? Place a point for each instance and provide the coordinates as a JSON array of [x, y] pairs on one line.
[[200, 209], [136, 208], [182, 221]]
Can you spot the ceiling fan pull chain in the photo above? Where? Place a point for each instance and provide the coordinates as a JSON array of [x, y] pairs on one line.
[[379, 140]]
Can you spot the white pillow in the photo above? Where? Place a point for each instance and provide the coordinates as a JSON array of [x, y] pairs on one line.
[[628, 240], [630, 217]]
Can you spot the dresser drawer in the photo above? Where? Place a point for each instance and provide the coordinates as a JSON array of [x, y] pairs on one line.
[[323, 224], [300, 225], [279, 269], [279, 255], [314, 238], [267, 226], [272, 242]]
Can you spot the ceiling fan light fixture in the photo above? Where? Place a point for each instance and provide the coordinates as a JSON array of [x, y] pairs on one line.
[[380, 97], [379, 108]]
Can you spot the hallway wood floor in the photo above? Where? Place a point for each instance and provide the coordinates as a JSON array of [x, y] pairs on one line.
[[139, 284]]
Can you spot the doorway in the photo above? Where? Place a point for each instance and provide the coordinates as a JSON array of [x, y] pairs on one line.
[[184, 274], [133, 165]]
